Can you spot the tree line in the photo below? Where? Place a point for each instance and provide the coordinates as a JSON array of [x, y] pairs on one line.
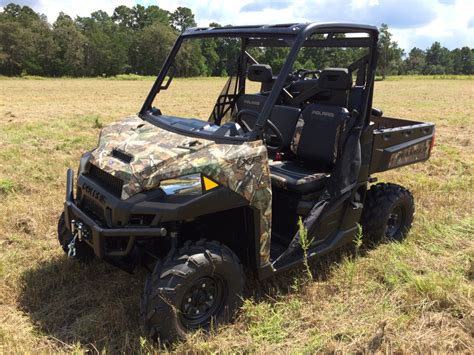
[[137, 40], [435, 60]]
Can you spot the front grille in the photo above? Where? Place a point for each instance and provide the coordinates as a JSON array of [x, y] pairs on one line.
[[109, 182], [92, 209]]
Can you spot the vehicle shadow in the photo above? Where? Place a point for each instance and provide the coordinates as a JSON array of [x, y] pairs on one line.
[[95, 305]]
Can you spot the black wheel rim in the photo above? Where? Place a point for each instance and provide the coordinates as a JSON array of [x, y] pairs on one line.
[[395, 222], [203, 300]]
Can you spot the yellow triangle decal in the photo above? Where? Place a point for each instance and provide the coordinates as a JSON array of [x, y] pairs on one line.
[[208, 184]]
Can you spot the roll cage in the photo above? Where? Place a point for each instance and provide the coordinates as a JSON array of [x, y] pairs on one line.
[[295, 36]]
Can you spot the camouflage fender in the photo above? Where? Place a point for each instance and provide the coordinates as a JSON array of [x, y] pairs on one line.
[[157, 154]]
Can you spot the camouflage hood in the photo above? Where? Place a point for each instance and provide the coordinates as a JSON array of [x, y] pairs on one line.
[[133, 150], [142, 155]]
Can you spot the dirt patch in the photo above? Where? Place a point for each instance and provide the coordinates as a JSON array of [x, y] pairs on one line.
[[26, 224]]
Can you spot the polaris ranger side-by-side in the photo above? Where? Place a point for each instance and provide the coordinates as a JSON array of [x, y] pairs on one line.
[[196, 200]]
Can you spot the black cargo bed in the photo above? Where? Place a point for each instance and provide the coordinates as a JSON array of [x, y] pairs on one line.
[[398, 142]]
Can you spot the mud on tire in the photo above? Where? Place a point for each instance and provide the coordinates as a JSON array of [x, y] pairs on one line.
[[388, 213], [200, 286]]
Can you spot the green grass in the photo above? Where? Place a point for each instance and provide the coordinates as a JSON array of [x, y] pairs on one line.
[[7, 186]]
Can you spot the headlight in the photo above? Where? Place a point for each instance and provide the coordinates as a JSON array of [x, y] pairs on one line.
[[193, 184], [183, 185]]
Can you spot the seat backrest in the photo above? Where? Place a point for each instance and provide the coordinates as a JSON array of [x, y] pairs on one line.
[[284, 117], [252, 102], [337, 82], [302, 85], [331, 87], [261, 73], [317, 133]]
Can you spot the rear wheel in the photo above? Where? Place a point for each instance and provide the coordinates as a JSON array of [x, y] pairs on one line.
[[199, 287], [83, 251], [388, 213]]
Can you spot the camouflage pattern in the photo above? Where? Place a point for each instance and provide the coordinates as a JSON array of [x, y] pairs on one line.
[[297, 135], [158, 154], [414, 153]]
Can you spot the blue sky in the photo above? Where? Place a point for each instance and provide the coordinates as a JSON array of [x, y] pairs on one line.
[[413, 23]]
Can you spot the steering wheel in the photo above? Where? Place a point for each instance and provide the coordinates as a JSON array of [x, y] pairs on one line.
[[238, 118], [274, 142]]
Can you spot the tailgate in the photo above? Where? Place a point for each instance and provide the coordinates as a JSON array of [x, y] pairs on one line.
[[398, 142]]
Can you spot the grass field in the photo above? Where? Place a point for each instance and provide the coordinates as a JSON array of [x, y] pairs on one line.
[[417, 296]]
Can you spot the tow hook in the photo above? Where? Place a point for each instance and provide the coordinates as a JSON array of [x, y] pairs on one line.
[[71, 252], [79, 232]]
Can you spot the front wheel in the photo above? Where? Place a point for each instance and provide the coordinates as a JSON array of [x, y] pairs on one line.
[[199, 287], [388, 213]]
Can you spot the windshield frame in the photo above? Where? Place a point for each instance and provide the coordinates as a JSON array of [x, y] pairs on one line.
[[295, 36]]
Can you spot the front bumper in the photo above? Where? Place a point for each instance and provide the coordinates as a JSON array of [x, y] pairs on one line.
[[98, 236]]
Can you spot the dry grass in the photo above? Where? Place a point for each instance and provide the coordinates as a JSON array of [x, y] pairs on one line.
[[411, 297]]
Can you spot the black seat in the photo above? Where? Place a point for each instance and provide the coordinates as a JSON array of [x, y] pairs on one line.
[[316, 145], [261, 73], [252, 102], [294, 177], [283, 117], [338, 81], [331, 88], [316, 138]]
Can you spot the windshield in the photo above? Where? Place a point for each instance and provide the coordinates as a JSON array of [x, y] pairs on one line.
[[215, 71], [210, 63], [230, 87]]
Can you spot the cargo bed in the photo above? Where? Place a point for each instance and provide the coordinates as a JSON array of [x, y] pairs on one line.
[[398, 142]]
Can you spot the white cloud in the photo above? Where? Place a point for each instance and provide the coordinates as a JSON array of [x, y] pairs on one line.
[[450, 27], [412, 22]]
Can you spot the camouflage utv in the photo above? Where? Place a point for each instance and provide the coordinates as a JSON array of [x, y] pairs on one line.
[[198, 201]]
